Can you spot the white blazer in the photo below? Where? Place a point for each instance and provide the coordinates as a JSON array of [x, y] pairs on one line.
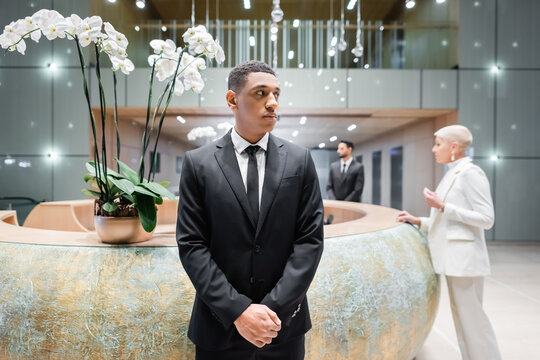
[[456, 236]]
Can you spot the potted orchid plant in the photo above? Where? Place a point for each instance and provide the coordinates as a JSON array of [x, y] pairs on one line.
[[124, 194]]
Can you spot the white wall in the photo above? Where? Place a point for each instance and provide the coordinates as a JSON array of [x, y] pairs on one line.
[[419, 167]]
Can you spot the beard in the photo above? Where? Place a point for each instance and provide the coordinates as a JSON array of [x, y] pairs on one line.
[[341, 156]]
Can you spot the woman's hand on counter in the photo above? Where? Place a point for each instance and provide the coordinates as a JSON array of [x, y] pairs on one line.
[[404, 216]]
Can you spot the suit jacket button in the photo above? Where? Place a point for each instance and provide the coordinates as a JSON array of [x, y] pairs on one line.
[[257, 249]]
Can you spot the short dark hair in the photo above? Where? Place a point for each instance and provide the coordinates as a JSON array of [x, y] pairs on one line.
[[348, 143], [238, 75]]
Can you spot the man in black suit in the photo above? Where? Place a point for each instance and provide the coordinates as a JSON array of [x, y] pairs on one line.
[[250, 230], [346, 178]]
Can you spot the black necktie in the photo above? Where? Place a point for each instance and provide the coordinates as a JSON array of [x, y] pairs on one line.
[[253, 181], [344, 167]]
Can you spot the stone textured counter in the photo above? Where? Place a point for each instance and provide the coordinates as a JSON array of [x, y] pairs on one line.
[[65, 295]]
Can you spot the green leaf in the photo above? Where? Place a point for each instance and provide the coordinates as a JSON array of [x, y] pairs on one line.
[[108, 206], [147, 211], [164, 183], [141, 190], [90, 192], [88, 177], [129, 198], [124, 185], [130, 174], [159, 189], [90, 166]]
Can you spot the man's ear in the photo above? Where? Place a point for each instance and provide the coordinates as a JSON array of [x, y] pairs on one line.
[[231, 100]]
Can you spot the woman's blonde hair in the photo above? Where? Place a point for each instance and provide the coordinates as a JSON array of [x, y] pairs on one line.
[[457, 133]]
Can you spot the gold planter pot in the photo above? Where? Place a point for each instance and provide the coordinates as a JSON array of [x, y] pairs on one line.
[[120, 230]]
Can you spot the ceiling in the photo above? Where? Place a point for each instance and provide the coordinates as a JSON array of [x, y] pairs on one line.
[[320, 124], [260, 9]]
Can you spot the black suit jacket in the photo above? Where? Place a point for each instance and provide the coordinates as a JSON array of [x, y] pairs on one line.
[[348, 187], [233, 261]]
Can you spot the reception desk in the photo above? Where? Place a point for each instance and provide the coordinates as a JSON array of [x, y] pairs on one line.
[[66, 295]]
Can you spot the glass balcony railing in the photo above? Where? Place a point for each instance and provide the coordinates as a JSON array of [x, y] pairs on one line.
[[305, 43]]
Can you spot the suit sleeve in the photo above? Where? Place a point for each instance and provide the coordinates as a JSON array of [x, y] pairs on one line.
[[477, 192], [330, 186], [425, 223], [208, 279], [358, 186], [300, 269]]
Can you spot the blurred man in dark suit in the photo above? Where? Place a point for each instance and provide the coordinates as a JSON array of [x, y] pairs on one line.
[[346, 178]]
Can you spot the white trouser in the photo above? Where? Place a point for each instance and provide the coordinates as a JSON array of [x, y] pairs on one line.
[[474, 332]]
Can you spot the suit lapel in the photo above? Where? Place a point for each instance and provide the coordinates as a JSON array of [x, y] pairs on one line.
[[455, 172], [226, 158], [276, 156]]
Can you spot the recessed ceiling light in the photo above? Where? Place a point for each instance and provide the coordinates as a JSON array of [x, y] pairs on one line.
[[140, 4]]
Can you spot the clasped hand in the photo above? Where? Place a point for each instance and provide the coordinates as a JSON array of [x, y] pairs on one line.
[[258, 325]]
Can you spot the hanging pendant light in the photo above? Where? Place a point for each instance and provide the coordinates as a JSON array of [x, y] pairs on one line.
[[342, 46], [358, 50], [332, 47], [277, 13]]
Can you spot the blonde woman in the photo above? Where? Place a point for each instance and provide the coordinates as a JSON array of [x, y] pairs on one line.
[[461, 209]]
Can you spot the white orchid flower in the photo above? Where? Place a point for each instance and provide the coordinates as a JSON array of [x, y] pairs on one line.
[[73, 25], [125, 65], [40, 16], [200, 64], [192, 32], [165, 69], [194, 84], [112, 48], [87, 37], [188, 60], [89, 23], [220, 54], [44, 18], [118, 37], [167, 47], [192, 73], [27, 25], [5, 42], [178, 87], [94, 21], [200, 42], [10, 31], [152, 58], [9, 37], [52, 24]]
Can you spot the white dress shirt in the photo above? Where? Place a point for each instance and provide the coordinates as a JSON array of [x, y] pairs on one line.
[[347, 164], [240, 144]]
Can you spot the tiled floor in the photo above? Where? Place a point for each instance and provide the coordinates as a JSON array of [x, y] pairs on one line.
[[511, 300]]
